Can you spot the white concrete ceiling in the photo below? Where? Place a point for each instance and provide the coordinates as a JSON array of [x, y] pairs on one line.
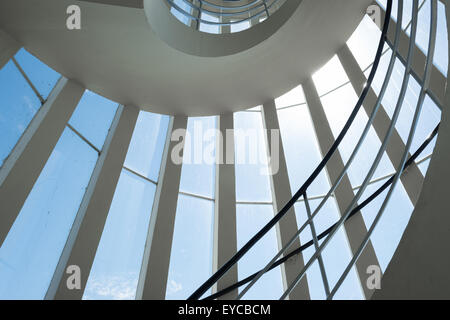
[[117, 54]]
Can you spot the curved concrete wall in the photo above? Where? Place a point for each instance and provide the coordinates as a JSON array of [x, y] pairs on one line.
[[420, 268], [190, 41], [118, 55]]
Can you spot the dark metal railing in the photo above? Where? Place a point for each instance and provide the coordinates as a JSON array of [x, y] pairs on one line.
[[303, 189], [353, 208], [321, 236]]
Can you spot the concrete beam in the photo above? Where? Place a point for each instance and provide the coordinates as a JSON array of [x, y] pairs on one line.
[[281, 193], [355, 227], [84, 237], [155, 266], [225, 238], [26, 161]]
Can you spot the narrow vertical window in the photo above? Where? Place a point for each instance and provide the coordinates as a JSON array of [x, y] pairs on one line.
[[31, 251], [115, 271], [192, 244], [254, 205], [21, 99]]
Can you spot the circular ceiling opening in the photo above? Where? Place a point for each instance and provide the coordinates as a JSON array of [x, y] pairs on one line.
[[223, 16], [214, 28]]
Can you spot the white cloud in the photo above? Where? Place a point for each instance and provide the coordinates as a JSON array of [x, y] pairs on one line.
[[113, 287], [29, 103], [174, 287]]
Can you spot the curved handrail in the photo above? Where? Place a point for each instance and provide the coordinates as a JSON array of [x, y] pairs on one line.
[[350, 160], [378, 157], [401, 166], [357, 209], [219, 273]]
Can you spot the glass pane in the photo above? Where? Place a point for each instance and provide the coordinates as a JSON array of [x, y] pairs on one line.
[[338, 106], [43, 77], [115, 271], [178, 14], [363, 43], [313, 274], [407, 9], [254, 109], [198, 171], [423, 34], [241, 26], [380, 75], [147, 144], [93, 117], [209, 28], [250, 219], [441, 53], [301, 149], [31, 251], [336, 255], [392, 93], [392, 224], [191, 255], [429, 117], [293, 97], [18, 106], [423, 24], [330, 76], [252, 180]]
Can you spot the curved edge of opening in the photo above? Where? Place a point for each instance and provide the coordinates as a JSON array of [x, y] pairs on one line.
[[190, 41]]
